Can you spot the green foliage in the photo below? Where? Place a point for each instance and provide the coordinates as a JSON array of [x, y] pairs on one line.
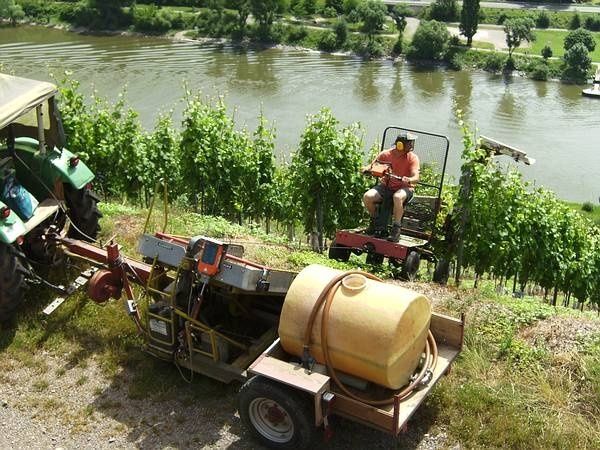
[[542, 20], [578, 62], [469, 19], [150, 19], [325, 175], [592, 23], [587, 207], [328, 41], [107, 136], [546, 52], [11, 11], [430, 41], [372, 13], [580, 35], [517, 31], [340, 28], [575, 22], [512, 231], [539, 71], [443, 11]]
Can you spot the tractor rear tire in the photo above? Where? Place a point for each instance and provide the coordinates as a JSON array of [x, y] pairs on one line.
[[441, 272], [339, 252], [12, 282], [83, 213], [277, 416]]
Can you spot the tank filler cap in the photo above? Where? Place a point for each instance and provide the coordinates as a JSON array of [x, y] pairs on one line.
[[354, 282]]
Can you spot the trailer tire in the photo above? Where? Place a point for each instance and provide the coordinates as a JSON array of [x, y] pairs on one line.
[[411, 265], [275, 415], [83, 213], [12, 282], [374, 259], [339, 252]]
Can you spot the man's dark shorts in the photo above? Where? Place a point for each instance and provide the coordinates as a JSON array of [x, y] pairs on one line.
[[385, 192]]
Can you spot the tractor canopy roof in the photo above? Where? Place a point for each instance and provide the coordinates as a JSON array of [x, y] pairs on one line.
[[19, 95]]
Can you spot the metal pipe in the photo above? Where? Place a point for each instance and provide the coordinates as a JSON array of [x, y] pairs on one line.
[[40, 126]]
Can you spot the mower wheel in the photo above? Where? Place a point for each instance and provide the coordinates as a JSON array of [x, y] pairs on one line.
[[411, 266], [339, 252], [12, 282], [276, 415], [83, 213], [441, 271], [374, 259]]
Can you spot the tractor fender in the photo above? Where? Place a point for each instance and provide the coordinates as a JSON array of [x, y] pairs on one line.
[[55, 163], [77, 176], [11, 228]]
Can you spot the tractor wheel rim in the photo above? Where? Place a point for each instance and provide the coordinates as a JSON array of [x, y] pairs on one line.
[[271, 420]]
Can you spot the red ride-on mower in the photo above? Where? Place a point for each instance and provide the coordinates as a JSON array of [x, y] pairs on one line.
[[418, 222]]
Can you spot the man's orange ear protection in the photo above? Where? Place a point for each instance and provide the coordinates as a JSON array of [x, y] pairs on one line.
[[399, 145]]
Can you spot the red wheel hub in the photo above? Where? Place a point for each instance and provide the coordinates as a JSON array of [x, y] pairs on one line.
[[103, 285]]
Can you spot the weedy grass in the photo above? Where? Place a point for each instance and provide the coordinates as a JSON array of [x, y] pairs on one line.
[[504, 391]]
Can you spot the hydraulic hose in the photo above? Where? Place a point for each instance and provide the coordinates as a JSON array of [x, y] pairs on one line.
[[325, 300]]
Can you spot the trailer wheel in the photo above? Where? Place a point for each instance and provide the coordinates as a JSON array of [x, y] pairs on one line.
[[374, 259], [83, 212], [339, 252], [12, 282], [411, 266], [275, 415]]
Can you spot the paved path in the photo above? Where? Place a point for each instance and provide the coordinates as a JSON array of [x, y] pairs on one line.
[[512, 5]]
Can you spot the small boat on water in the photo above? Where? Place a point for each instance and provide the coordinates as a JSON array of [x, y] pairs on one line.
[[594, 91]]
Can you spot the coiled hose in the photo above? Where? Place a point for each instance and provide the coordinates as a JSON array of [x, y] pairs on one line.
[[325, 300]]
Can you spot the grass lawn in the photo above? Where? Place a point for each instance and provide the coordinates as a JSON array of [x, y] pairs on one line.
[[528, 376], [555, 40], [594, 214]]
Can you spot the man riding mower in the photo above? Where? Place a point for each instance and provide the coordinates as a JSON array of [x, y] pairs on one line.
[[398, 169]]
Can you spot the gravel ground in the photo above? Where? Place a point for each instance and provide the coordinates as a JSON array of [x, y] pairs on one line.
[[51, 402], [47, 404]]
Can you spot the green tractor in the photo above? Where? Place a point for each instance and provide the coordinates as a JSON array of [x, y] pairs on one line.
[[44, 188]]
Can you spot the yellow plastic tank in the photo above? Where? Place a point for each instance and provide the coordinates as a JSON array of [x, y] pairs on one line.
[[377, 331]]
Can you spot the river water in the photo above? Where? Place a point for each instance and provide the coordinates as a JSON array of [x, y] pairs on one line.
[[551, 121]]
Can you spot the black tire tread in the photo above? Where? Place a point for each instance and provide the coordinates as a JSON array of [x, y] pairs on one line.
[[12, 282], [297, 406], [83, 212]]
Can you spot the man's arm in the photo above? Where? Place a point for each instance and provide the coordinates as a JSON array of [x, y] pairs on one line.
[[414, 172]]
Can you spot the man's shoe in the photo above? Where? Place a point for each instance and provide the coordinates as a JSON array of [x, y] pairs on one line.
[[371, 228], [395, 234]]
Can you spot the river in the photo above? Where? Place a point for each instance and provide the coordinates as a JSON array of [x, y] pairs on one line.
[[551, 121]]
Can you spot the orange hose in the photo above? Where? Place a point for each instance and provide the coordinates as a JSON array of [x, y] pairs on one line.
[[326, 299]]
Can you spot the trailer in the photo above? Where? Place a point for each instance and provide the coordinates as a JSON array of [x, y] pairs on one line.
[[209, 310]]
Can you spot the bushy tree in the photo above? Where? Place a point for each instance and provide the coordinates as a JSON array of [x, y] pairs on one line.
[[264, 11], [430, 40], [546, 52], [11, 11], [444, 10], [575, 22], [518, 30], [325, 178], [340, 28], [243, 11], [469, 19], [372, 13], [578, 62], [580, 35], [399, 14]]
